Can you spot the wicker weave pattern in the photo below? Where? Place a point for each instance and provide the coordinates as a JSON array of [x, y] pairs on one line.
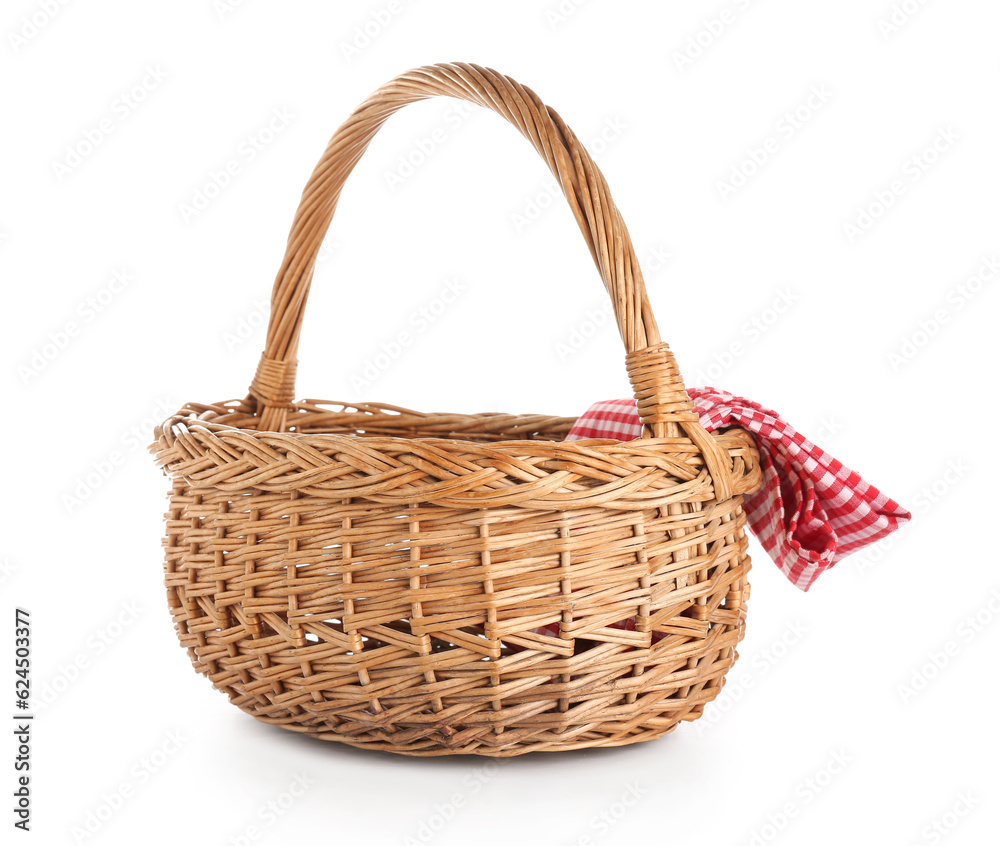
[[377, 576]]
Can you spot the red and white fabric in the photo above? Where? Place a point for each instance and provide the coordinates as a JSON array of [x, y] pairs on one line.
[[810, 511]]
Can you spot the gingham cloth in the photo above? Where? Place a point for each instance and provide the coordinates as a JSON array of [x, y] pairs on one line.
[[810, 512]]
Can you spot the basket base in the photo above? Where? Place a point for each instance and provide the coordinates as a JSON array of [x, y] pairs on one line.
[[435, 750], [439, 740]]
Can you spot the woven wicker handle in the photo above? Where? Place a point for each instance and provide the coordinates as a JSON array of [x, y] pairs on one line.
[[664, 406]]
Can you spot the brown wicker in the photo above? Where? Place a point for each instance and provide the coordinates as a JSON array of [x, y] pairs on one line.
[[379, 576]]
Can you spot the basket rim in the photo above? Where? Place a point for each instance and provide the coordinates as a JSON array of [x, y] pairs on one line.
[[191, 416], [643, 473], [208, 415]]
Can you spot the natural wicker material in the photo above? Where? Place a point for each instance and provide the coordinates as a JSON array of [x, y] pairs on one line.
[[376, 576]]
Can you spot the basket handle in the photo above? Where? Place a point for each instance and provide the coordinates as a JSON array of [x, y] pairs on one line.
[[663, 403]]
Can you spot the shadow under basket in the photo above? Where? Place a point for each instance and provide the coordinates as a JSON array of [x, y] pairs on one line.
[[435, 584]]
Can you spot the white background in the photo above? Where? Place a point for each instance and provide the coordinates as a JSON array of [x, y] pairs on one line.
[[885, 355]]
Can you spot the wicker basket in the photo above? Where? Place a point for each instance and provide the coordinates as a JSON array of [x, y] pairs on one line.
[[434, 584]]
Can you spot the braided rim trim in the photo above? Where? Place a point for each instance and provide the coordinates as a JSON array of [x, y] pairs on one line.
[[196, 446]]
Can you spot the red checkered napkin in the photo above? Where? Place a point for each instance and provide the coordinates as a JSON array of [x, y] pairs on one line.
[[810, 512]]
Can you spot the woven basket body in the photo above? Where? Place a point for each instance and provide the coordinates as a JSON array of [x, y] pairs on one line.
[[434, 584]]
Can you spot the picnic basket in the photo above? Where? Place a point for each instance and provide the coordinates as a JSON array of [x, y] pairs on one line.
[[431, 583]]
